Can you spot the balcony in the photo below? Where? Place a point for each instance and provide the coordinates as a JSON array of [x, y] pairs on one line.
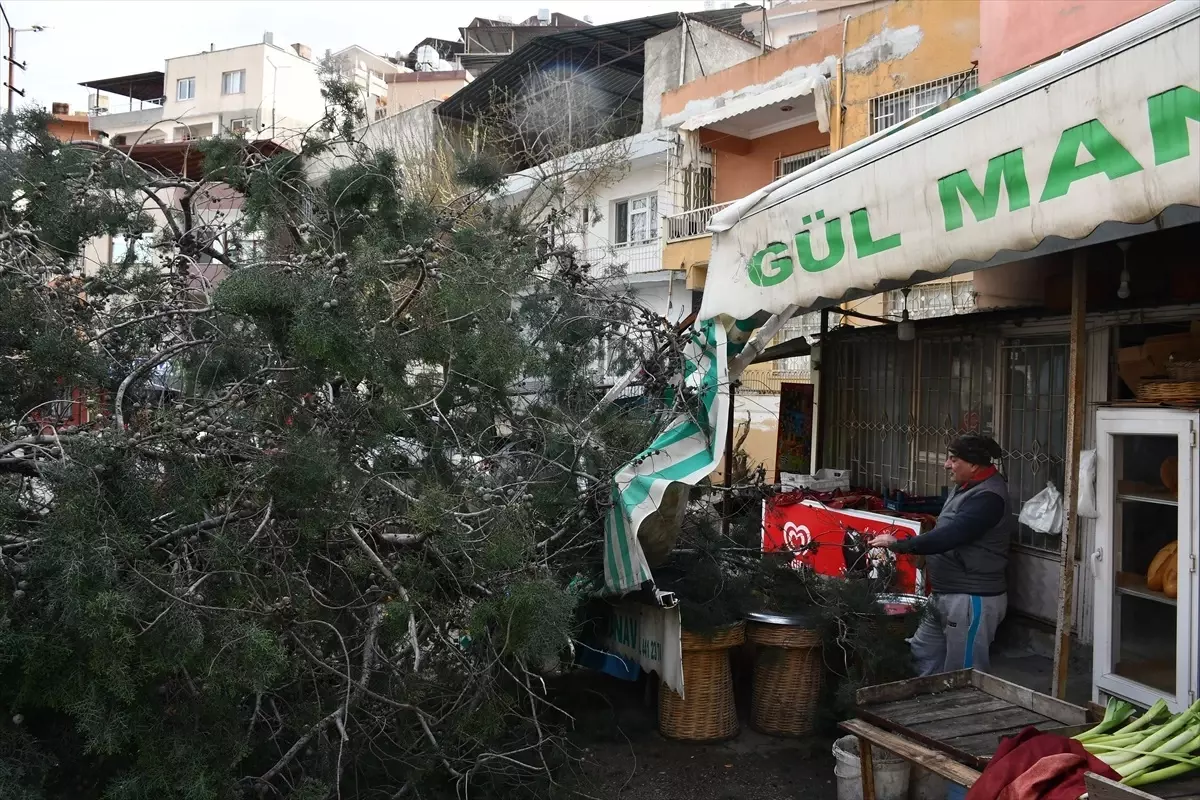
[[691, 224], [631, 259], [687, 243], [127, 122]]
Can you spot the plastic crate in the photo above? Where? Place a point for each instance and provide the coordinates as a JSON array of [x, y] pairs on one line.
[[823, 480], [899, 501]]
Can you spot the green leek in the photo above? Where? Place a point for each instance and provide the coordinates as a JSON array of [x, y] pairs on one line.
[[1156, 711], [1177, 742], [1115, 713]]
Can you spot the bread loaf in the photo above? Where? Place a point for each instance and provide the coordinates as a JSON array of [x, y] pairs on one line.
[[1171, 581], [1157, 571]]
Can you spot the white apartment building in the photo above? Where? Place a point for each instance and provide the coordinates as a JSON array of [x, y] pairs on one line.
[[260, 90], [371, 73]]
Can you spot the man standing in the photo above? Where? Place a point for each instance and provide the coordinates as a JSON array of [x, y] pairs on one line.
[[966, 561]]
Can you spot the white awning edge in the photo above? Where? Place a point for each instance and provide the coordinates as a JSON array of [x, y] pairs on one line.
[[814, 84], [1102, 47], [890, 181]]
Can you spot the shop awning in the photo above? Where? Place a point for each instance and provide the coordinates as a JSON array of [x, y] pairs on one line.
[[1094, 145]]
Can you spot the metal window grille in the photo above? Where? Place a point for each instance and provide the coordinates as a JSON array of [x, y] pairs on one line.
[[788, 164], [933, 300], [1033, 431], [892, 109], [896, 405], [691, 188], [797, 367]]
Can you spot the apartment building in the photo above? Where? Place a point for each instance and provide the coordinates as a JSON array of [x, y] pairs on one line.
[[628, 174], [371, 73], [260, 90]]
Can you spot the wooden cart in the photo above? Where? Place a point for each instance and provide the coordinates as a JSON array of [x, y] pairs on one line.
[[950, 724]]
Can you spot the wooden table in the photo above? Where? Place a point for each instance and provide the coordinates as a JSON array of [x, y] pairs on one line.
[[949, 724]]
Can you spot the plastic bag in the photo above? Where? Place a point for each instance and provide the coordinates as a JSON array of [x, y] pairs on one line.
[[1087, 506], [1044, 511]]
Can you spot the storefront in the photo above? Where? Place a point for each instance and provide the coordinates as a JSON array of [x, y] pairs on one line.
[[1086, 167]]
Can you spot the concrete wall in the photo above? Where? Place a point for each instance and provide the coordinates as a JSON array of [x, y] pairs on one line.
[[1016, 33], [414, 88], [899, 46], [414, 135], [758, 415], [737, 174], [706, 50], [708, 92]]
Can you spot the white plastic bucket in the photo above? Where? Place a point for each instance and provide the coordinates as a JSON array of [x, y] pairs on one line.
[[891, 772], [926, 785]]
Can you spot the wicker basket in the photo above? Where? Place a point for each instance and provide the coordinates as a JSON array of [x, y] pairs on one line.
[[1183, 370], [1169, 391], [787, 679], [708, 713]]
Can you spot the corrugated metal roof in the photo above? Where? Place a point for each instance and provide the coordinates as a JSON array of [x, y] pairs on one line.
[[620, 64]]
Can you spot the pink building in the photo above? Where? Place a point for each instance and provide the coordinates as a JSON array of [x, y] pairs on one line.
[[1016, 33]]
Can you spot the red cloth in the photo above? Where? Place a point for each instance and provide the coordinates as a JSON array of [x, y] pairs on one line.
[[1038, 766]]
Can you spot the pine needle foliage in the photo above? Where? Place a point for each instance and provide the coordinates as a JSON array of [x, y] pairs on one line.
[[290, 496]]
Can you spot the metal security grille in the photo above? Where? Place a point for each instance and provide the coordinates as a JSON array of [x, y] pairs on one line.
[[933, 300], [896, 405], [1034, 426], [892, 109], [789, 164]]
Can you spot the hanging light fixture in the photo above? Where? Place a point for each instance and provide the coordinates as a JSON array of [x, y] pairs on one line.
[[905, 330], [1123, 290]]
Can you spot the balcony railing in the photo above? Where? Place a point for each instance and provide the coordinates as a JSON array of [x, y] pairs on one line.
[[691, 224], [632, 259]]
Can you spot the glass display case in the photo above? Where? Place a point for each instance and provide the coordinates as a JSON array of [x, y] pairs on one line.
[[1144, 562]]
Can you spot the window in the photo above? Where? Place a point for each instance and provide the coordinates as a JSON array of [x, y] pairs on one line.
[[233, 82], [892, 109], [241, 125], [380, 113], [637, 219], [185, 89], [788, 164]]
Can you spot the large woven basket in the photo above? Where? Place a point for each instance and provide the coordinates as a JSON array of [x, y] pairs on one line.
[[1169, 391], [707, 713], [787, 679], [1183, 370]]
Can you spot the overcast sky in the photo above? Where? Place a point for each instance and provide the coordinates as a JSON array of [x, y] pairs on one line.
[[90, 39]]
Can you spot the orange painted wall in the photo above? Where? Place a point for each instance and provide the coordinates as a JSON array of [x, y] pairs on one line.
[[949, 45], [739, 175], [1017, 33], [70, 128]]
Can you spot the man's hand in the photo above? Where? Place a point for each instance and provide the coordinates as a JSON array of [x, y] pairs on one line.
[[883, 540]]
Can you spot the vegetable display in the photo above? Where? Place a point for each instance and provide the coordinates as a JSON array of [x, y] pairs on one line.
[[1151, 748]]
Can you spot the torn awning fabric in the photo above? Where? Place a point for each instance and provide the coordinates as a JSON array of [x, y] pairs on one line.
[[1096, 144], [653, 484]]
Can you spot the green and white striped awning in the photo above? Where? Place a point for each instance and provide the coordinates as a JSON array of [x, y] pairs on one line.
[[687, 451]]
